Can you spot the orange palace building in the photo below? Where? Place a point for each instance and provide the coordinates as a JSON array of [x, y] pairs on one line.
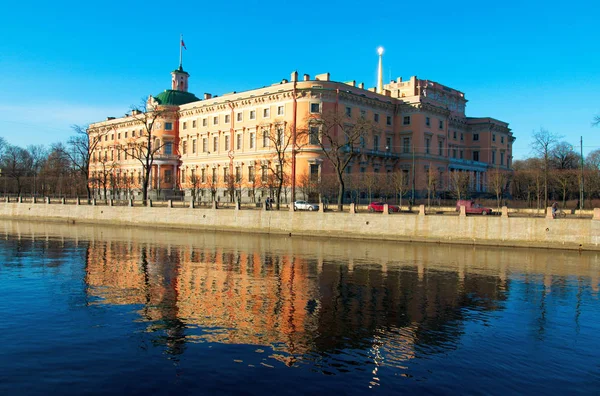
[[419, 124]]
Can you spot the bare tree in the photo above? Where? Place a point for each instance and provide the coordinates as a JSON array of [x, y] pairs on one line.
[[565, 178], [399, 182], [592, 183], [38, 155], [498, 180], [543, 144], [353, 185], [211, 184], [592, 160], [564, 157], [369, 182], [127, 184], [308, 187], [230, 186], [537, 186], [145, 146], [328, 187], [16, 164], [253, 182], [238, 183], [103, 173], [80, 151], [280, 142], [195, 183], [460, 184], [340, 141], [56, 171], [432, 180], [268, 181]]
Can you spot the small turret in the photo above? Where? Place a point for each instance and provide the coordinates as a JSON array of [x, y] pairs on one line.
[[179, 80]]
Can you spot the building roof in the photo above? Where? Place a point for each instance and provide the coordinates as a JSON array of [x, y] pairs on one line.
[[171, 97]]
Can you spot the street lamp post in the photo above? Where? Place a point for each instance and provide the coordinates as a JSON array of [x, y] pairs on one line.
[[581, 192], [413, 174]]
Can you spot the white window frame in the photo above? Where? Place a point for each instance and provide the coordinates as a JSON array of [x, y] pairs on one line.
[[252, 139]]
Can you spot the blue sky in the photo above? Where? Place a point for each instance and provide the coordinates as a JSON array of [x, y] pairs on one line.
[[533, 65]]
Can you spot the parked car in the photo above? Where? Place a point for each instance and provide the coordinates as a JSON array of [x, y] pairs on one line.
[[303, 205], [472, 208], [378, 207]]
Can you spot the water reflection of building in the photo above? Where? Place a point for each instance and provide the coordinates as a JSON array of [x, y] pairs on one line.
[[295, 304], [253, 298], [308, 298]]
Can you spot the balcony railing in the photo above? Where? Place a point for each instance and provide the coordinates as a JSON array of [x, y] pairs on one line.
[[166, 157]]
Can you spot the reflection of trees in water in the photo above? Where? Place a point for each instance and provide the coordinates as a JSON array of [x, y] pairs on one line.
[[160, 269], [359, 304]]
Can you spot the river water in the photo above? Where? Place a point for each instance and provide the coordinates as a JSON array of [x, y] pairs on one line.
[[97, 310]]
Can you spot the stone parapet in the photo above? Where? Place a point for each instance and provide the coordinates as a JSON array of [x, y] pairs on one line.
[[569, 233]]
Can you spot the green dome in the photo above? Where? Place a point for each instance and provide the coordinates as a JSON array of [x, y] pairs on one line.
[[175, 98]]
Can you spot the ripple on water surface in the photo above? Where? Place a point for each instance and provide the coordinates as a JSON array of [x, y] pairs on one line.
[[98, 310]]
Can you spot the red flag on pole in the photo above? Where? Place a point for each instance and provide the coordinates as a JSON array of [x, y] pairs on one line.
[[183, 44]]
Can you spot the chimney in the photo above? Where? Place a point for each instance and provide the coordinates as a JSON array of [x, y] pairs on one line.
[[207, 96], [294, 76], [306, 77], [361, 85], [110, 118]]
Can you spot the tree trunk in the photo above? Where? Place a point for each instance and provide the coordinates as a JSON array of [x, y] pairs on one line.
[[340, 193], [145, 188]]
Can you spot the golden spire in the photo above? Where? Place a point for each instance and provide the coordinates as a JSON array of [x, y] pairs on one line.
[[380, 71]]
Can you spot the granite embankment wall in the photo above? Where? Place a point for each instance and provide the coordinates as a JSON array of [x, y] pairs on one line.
[[582, 234]]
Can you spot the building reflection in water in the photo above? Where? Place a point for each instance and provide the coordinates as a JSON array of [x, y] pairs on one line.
[[305, 299]]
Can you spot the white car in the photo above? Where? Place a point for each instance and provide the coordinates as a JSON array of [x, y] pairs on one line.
[[303, 205]]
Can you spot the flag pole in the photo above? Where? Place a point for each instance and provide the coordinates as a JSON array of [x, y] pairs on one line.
[[181, 51]]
